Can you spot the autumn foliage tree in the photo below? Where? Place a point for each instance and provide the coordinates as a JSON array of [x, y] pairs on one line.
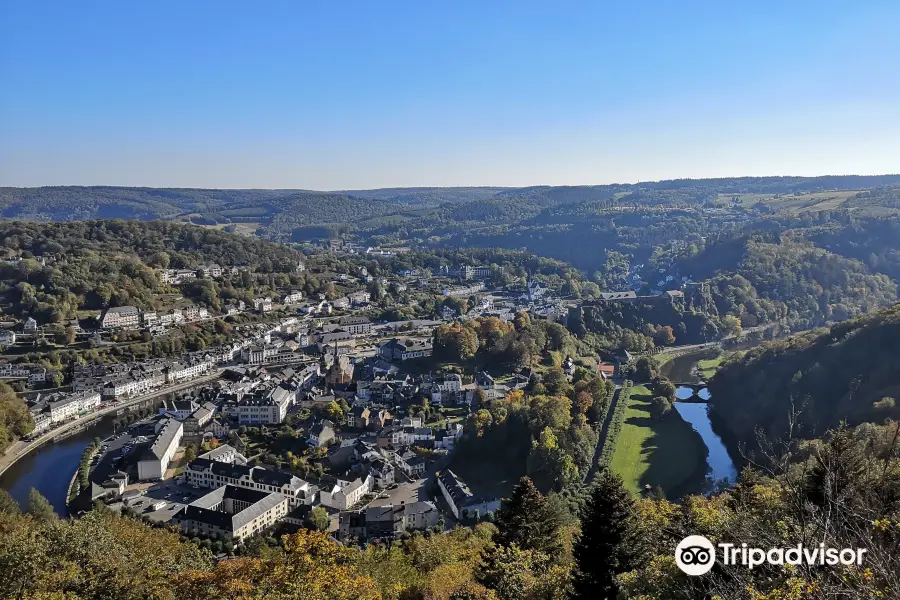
[[312, 567]]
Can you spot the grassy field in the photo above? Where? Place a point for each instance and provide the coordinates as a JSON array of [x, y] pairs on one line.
[[668, 453], [664, 357], [707, 368], [815, 201]]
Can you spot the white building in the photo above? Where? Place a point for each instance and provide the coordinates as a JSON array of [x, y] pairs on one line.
[[464, 504], [345, 494], [270, 409], [183, 371], [133, 385], [156, 458], [356, 325], [121, 317], [405, 349], [233, 512], [292, 297], [72, 405], [262, 305], [207, 473], [360, 297]]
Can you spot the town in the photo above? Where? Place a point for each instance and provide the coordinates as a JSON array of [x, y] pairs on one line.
[[311, 413]]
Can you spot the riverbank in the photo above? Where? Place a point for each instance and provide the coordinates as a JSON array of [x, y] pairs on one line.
[[667, 453], [21, 449]]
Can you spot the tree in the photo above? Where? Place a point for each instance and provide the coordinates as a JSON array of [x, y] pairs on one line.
[[665, 388], [527, 520], [732, 326], [660, 407], [311, 567], [480, 397], [8, 504], [664, 335], [55, 379], [318, 519], [583, 402], [39, 507], [190, 453], [555, 381], [607, 545], [334, 412], [645, 368]]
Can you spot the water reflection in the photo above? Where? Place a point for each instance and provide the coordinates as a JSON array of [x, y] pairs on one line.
[[683, 392], [720, 463]]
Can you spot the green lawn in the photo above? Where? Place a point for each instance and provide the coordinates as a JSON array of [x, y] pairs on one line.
[[708, 367], [664, 357], [659, 453]]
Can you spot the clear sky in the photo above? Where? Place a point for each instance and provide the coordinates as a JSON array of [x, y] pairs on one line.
[[339, 94]]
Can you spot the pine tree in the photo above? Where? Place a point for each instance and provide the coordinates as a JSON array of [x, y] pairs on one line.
[[607, 545], [528, 520], [40, 507]]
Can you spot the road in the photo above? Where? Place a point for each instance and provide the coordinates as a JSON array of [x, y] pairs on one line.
[[21, 448], [690, 347]]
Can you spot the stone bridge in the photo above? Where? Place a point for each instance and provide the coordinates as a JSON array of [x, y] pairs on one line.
[[695, 387]]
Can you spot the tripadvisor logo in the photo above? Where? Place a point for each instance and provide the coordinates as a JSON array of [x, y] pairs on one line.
[[696, 555]]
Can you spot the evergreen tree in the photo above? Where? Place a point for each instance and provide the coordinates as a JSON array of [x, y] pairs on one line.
[[8, 504], [607, 544], [39, 507], [528, 520]]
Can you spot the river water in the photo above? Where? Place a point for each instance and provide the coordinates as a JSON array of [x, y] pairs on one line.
[[720, 464], [694, 410], [50, 468]]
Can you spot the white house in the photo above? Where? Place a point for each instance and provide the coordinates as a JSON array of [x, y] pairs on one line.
[[292, 297], [345, 494]]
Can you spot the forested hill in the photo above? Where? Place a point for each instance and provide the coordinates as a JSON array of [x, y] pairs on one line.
[[76, 203], [582, 225], [185, 246], [66, 268], [763, 278], [849, 372]]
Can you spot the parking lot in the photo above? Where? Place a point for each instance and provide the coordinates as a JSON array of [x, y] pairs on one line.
[[173, 494], [404, 493]]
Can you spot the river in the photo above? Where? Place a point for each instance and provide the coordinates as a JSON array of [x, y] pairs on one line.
[[50, 468], [720, 464], [682, 370]]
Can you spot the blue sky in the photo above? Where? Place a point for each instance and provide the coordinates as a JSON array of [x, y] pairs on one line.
[[344, 94]]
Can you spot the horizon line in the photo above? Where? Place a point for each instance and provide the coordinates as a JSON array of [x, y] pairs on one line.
[[446, 187]]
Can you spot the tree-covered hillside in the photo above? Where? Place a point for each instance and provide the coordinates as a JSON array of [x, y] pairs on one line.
[[90, 265], [849, 372], [772, 278]]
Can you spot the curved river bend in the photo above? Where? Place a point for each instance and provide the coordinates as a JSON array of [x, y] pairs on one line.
[[49, 469]]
